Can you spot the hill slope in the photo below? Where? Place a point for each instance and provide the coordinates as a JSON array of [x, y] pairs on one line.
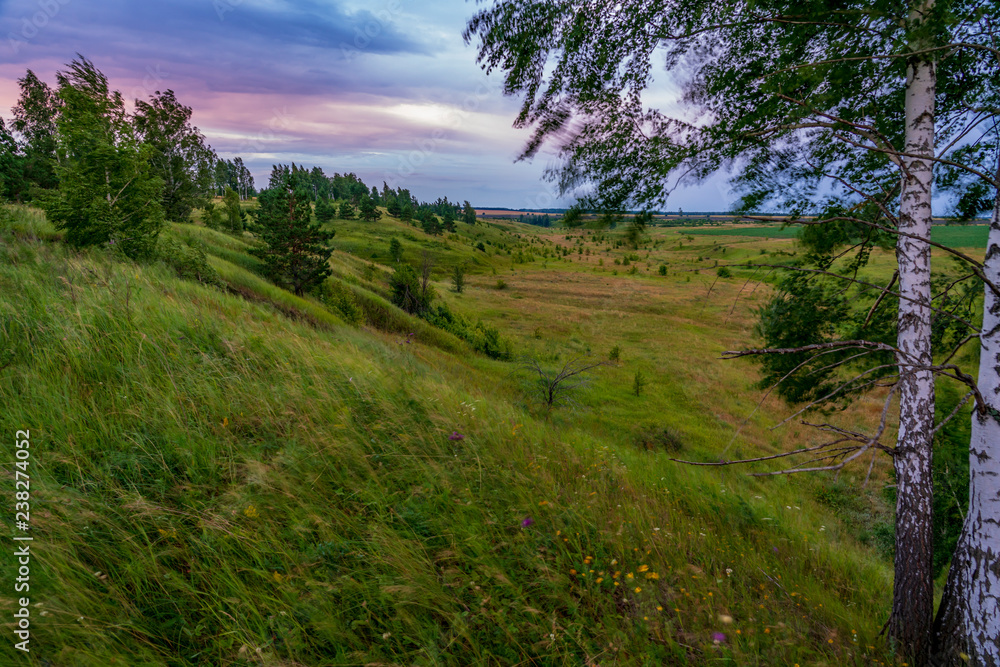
[[226, 475]]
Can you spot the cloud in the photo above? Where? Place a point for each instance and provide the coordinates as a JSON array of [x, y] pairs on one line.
[[385, 88]]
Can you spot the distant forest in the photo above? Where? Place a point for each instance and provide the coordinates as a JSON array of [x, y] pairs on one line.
[[97, 169]]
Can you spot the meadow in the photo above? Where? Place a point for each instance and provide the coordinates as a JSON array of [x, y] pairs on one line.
[[955, 236], [226, 474]]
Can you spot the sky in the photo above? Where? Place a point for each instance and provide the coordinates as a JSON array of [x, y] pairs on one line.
[[386, 89]]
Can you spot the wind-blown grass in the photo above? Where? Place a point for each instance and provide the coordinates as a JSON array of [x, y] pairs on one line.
[[217, 483]]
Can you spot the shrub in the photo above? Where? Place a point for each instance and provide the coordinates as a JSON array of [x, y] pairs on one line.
[[656, 437], [615, 354], [724, 272], [189, 262], [483, 337], [407, 292], [501, 283], [334, 294], [663, 269]]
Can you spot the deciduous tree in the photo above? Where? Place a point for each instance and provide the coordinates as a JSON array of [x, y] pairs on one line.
[[179, 155], [107, 190]]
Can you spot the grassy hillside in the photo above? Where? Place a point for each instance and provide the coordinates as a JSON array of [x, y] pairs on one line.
[[225, 474]]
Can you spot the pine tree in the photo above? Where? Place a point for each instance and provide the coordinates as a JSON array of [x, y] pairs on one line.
[[325, 210], [346, 211], [295, 252], [368, 210]]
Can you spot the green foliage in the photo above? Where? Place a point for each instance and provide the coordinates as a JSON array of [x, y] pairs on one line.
[[107, 190], [501, 284], [393, 208], [662, 270], [338, 296], [429, 223], [190, 262], [407, 291], [458, 278], [395, 250], [615, 354], [325, 210], [346, 211], [212, 216], [657, 437], [368, 210], [638, 383], [178, 154], [484, 338], [802, 312], [35, 119], [295, 251], [950, 473], [468, 214], [233, 211], [573, 218], [724, 272]]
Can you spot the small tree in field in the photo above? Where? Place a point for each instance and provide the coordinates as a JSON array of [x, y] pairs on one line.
[[395, 250], [557, 386], [233, 210], [458, 278], [295, 253]]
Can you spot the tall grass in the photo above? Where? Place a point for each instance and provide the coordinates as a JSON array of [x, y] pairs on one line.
[[215, 483]]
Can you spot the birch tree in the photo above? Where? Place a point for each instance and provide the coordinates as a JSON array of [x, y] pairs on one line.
[[828, 109]]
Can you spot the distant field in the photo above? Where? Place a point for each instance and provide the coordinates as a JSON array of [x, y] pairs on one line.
[[501, 213], [959, 236]]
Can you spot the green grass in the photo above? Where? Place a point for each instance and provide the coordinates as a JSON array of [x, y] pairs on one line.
[[956, 236], [235, 476]]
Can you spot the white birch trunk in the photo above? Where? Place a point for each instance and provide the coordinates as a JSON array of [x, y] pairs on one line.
[[982, 623], [913, 593], [969, 619]]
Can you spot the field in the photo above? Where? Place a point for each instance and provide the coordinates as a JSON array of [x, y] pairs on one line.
[[956, 236], [227, 474]]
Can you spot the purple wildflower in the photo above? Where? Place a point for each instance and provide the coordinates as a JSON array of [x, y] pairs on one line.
[[718, 637], [527, 522], [455, 435]]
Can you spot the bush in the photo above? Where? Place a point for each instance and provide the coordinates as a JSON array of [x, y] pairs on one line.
[[501, 283], [189, 262], [656, 437], [407, 292], [615, 354], [334, 294], [483, 337], [724, 272], [663, 269]]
